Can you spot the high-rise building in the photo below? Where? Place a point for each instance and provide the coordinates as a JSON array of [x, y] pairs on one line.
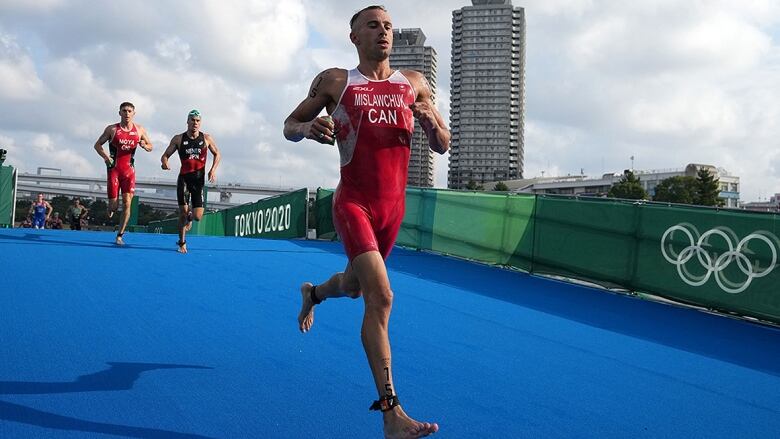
[[487, 106], [410, 52]]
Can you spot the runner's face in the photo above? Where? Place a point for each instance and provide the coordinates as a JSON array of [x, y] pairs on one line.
[[127, 113], [193, 124], [373, 34]]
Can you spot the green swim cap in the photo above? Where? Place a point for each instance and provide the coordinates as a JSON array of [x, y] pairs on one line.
[[194, 113]]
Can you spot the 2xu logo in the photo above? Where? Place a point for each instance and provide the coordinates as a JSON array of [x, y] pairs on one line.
[[739, 252]]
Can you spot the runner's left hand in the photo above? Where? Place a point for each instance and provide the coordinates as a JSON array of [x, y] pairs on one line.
[[424, 113]]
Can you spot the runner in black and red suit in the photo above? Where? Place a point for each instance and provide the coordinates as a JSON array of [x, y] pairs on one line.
[[372, 110], [193, 146], [123, 137]]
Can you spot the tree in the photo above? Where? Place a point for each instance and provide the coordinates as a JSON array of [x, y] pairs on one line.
[[22, 210], [707, 189], [680, 189], [147, 214], [98, 214], [60, 204], [474, 186], [501, 187], [628, 187]]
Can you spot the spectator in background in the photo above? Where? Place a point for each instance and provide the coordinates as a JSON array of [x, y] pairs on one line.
[[76, 213], [56, 221]]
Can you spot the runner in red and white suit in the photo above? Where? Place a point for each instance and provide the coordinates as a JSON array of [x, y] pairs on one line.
[[123, 137], [372, 112], [375, 129]]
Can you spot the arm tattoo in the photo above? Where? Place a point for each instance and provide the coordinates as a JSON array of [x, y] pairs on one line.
[[314, 89]]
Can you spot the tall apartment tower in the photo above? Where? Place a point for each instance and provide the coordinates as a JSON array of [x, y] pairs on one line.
[[410, 52], [487, 106]]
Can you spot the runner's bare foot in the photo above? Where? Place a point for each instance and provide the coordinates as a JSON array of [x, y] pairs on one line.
[[306, 316], [398, 425]]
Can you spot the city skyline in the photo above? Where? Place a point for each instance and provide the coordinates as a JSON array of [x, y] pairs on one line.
[[411, 52], [666, 82], [487, 105]]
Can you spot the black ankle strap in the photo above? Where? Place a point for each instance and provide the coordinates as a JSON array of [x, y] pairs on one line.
[[313, 295], [385, 403], [119, 235]]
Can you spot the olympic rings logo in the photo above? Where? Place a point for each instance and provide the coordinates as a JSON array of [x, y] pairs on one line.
[[714, 263]]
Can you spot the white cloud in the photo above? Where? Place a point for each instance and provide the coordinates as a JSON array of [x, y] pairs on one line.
[[565, 8], [65, 158], [18, 77], [702, 113], [257, 38], [721, 41], [37, 6], [174, 49], [15, 157], [677, 38], [547, 143], [668, 81]]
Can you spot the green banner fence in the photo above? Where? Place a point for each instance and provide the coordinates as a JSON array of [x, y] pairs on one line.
[[722, 259], [133, 221], [725, 260], [279, 217], [282, 216], [590, 239], [497, 229], [323, 214], [7, 195]]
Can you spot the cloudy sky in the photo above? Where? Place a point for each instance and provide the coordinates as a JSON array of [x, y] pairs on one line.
[[669, 82]]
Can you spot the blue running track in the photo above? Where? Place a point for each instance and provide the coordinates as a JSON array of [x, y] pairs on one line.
[[142, 342]]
